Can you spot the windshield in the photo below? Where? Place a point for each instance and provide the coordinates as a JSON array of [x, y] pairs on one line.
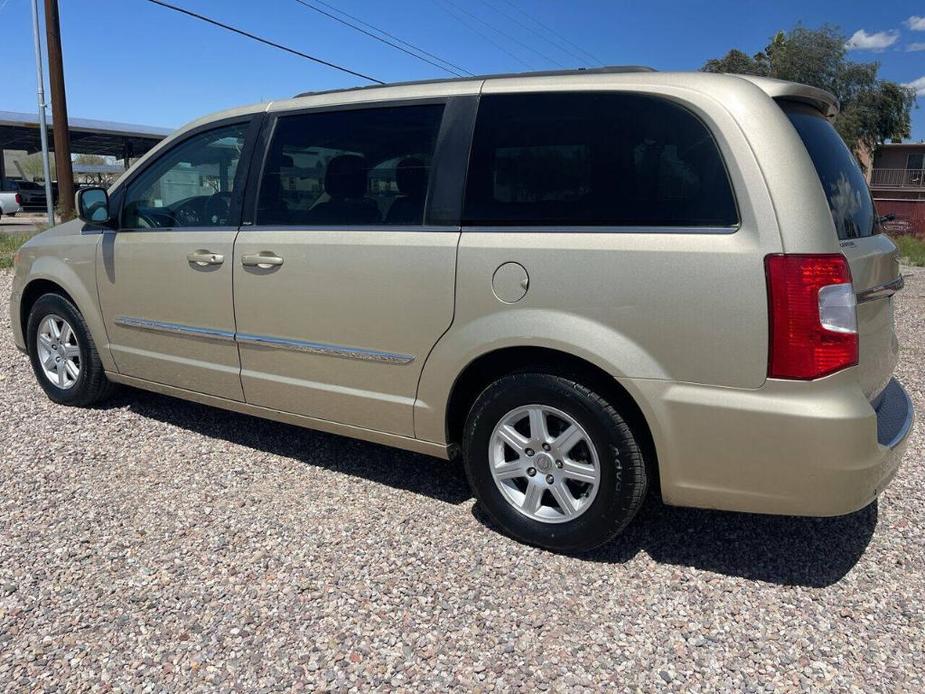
[[849, 197]]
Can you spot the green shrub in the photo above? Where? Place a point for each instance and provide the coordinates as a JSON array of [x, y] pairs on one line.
[[911, 250], [9, 244]]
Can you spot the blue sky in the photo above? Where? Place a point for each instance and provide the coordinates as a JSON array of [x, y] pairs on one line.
[[129, 60]]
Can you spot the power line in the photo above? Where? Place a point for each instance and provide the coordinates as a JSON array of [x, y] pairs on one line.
[[485, 36], [504, 34], [264, 41], [393, 37], [309, 6], [533, 31], [553, 31]]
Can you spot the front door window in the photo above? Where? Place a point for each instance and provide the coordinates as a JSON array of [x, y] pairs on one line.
[[191, 186]]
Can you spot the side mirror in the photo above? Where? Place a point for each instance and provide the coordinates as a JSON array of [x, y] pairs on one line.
[[93, 205]]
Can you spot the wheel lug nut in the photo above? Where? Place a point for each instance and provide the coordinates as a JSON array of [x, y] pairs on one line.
[[559, 464], [529, 452], [550, 479], [545, 446], [531, 471]]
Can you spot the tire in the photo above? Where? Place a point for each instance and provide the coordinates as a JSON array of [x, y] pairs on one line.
[[90, 384], [607, 450]]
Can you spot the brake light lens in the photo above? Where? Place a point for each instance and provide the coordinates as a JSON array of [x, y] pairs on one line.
[[812, 311], [18, 199]]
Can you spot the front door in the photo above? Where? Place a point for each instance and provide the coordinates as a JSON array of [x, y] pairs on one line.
[[165, 276], [340, 289]]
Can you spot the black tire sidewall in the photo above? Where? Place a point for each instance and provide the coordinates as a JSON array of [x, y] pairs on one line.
[[620, 459], [55, 304]]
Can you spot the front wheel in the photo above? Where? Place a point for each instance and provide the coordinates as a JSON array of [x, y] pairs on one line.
[[63, 355], [552, 462]]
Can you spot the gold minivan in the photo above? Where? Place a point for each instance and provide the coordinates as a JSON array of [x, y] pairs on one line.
[[587, 284]]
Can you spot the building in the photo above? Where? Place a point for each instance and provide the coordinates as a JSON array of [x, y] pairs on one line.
[[897, 181]]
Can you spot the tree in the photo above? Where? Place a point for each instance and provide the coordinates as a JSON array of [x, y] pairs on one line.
[[872, 110], [32, 166], [91, 159]]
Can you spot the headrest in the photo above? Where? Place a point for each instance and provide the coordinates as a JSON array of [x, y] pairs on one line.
[[346, 176], [411, 177]]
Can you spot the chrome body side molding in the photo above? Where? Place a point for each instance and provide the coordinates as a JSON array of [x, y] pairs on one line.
[[174, 328], [320, 348], [265, 341]]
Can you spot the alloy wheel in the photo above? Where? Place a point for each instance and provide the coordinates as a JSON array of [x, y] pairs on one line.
[[58, 351], [544, 463]]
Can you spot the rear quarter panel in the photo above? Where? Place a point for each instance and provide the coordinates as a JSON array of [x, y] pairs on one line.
[[677, 305]]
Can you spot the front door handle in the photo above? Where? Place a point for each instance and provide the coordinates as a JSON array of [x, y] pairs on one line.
[[263, 260], [203, 258]]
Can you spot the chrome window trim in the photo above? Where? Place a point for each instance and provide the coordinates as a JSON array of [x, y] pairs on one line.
[[881, 291], [600, 229], [176, 230], [379, 228], [265, 341], [325, 349], [174, 328]]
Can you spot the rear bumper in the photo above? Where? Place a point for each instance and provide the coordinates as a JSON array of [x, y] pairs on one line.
[[795, 448]]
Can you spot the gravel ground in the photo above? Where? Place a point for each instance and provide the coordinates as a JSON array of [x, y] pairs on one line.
[[158, 545]]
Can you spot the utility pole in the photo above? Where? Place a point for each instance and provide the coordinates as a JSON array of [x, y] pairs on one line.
[[59, 111], [43, 126]]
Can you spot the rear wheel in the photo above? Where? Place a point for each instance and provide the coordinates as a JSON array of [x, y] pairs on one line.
[[552, 462], [63, 355]]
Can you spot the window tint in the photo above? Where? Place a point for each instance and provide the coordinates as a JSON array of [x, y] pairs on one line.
[[190, 186], [583, 159], [849, 197], [368, 166]]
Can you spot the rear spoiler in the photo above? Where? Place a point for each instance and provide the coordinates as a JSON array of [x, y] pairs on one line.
[[819, 99]]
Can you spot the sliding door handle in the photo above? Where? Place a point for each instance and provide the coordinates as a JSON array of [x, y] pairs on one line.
[[203, 258], [263, 260]]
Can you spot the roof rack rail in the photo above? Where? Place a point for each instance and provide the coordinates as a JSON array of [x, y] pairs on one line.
[[606, 70]]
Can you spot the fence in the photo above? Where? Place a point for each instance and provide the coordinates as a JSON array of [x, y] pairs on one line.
[[910, 216], [897, 178]]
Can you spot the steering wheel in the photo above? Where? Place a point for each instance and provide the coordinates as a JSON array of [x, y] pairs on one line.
[[149, 221], [217, 209]]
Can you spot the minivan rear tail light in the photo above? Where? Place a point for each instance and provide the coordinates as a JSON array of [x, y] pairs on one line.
[[812, 313], [18, 199]]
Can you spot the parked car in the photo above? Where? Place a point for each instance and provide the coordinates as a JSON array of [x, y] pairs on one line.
[[33, 194], [10, 203], [587, 284]]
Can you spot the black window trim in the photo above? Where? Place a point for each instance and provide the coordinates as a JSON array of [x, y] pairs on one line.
[[254, 121], [467, 226], [458, 116]]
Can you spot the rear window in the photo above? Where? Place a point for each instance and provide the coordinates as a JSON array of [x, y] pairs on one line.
[[845, 187], [594, 159]]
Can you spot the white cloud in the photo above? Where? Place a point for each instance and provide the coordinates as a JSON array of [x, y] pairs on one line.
[[918, 85], [915, 23], [862, 41], [915, 47]]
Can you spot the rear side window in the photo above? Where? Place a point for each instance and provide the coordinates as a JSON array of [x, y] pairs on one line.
[[849, 197], [356, 167], [594, 159]]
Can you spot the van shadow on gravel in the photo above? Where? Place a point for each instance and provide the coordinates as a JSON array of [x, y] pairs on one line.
[[785, 550], [411, 472], [812, 552]]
